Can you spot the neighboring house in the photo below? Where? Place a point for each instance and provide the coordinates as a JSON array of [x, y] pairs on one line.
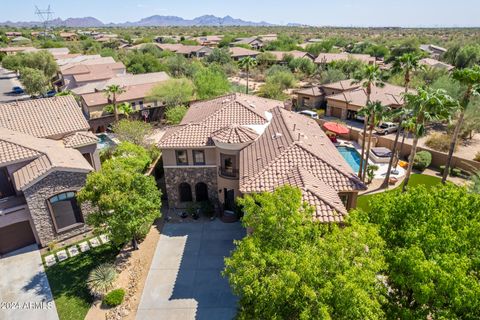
[[254, 42], [185, 50], [209, 41], [56, 52], [326, 58], [315, 97], [267, 38], [345, 105], [280, 55], [21, 40], [69, 36], [240, 144], [81, 74], [136, 90], [239, 53], [46, 152], [13, 34], [433, 63], [434, 51]]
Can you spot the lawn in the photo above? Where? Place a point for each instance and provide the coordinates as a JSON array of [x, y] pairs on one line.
[[415, 180], [68, 281]]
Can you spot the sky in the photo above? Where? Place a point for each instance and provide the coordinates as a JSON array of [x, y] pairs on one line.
[[404, 13]]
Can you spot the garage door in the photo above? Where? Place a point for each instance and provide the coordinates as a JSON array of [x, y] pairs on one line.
[[337, 112], [15, 236]]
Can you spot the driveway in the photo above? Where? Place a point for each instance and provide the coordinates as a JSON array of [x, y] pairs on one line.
[[24, 289], [184, 280]]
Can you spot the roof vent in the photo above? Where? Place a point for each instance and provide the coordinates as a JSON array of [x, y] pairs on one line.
[[277, 135], [252, 106]]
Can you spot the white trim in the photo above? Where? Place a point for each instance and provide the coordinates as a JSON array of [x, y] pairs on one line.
[[190, 166]]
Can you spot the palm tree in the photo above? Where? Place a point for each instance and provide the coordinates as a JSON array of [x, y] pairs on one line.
[[408, 63], [111, 92], [469, 77], [374, 111], [425, 106], [124, 108], [369, 77], [246, 64]]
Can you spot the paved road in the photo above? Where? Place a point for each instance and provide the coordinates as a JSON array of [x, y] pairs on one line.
[[24, 289], [184, 281], [8, 80]]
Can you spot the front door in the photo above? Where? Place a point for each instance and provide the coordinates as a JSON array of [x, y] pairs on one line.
[[229, 195]]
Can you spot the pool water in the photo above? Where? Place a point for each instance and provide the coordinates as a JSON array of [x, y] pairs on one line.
[[104, 141], [351, 156]]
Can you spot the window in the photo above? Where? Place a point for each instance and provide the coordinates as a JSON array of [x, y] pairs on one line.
[[141, 105], [182, 157], [228, 166], [65, 211], [199, 157]]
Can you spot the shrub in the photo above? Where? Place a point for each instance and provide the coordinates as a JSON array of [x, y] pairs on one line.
[[477, 157], [422, 160], [132, 131], [101, 279], [114, 298], [439, 141], [174, 115], [456, 172], [442, 169]]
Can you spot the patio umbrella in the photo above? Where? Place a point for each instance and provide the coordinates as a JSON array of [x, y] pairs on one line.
[[336, 128]]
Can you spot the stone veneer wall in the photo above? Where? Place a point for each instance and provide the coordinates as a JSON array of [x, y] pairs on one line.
[[192, 176], [37, 195]]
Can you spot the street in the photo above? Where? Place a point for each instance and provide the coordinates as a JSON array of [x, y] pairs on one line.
[[8, 80]]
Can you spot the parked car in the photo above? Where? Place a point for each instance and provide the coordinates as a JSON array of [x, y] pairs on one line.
[[18, 90], [386, 128], [309, 113], [50, 94]]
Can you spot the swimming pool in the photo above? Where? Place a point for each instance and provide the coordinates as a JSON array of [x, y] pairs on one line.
[[351, 156], [104, 141]]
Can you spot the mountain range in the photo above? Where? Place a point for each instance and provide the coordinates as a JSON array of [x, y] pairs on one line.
[[153, 21]]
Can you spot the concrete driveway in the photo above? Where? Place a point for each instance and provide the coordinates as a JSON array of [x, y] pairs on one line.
[[24, 289], [184, 280]]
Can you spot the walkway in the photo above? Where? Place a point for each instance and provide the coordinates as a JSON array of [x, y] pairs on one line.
[[24, 289], [184, 281]]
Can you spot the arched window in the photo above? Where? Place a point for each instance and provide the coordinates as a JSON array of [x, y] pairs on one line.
[[201, 192], [65, 211], [185, 192]]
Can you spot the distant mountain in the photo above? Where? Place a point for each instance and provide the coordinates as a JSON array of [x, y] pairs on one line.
[[153, 21]]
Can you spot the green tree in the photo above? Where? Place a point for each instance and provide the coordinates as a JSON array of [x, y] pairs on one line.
[[247, 64], [470, 78], [432, 246], [12, 62], [408, 63], [424, 107], [112, 92], [34, 81], [291, 267], [124, 108], [220, 56], [125, 202], [132, 131], [369, 76], [173, 92], [211, 82], [174, 115]]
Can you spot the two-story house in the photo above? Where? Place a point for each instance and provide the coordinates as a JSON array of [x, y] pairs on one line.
[[239, 144], [46, 153]]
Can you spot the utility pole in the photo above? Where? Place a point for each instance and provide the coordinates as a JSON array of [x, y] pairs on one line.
[[45, 16]]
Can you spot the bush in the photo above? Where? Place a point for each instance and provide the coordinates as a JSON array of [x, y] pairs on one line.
[[132, 131], [174, 115], [477, 157], [456, 172], [439, 141], [101, 279], [442, 169], [114, 298], [422, 160]]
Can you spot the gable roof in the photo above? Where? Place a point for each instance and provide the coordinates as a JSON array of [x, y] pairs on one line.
[[436, 64], [242, 52], [134, 92], [342, 85], [280, 55], [44, 118], [331, 57]]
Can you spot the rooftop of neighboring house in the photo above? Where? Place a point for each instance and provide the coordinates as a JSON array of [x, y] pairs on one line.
[[246, 40], [436, 64], [71, 62], [54, 51], [331, 57], [52, 118], [431, 47], [315, 91], [388, 95], [242, 52], [212, 38], [280, 55], [342, 85]]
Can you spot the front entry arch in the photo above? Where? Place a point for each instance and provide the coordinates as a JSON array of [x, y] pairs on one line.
[[185, 192], [201, 192]]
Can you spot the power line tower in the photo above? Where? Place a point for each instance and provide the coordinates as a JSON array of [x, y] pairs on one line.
[[45, 16]]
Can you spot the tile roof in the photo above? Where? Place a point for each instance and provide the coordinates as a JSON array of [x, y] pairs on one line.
[[80, 139], [436, 64], [242, 52], [331, 57], [44, 118], [11, 152], [342, 85], [313, 91], [247, 40], [235, 134], [294, 142], [134, 92], [206, 117], [49, 155], [280, 55]]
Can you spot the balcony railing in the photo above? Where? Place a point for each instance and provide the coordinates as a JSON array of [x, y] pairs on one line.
[[228, 173]]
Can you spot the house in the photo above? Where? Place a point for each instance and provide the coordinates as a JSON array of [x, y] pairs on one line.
[[240, 144], [136, 91], [209, 41], [434, 51], [69, 36], [267, 38], [346, 104], [254, 42], [54, 51], [188, 51], [315, 97], [238, 53], [433, 63], [46, 152], [326, 58], [21, 40], [280, 55], [13, 34]]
